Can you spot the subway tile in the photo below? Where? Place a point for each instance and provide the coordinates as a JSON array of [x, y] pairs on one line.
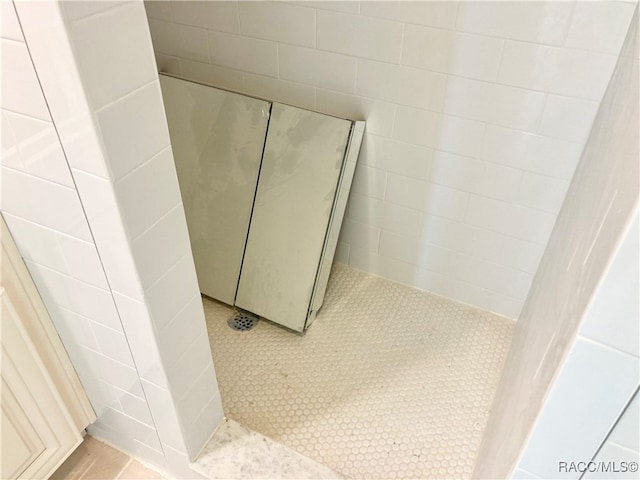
[[342, 254], [359, 235], [593, 378], [113, 344], [105, 433], [113, 65], [557, 70], [168, 64], [172, 292], [179, 40], [451, 52], [568, 118], [142, 339], [277, 90], [519, 474], [519, 254], [39, 148], [9, 26], [74, 329], [370, 182], [158, 10], [404, 85], [134, 129], [175, 338], [150, 456], [433, 14], [359, 36], [612, 317], [541, 192], [348, 6], [101, 207], [599, 26], [204, 425], [161, 246], [625, 432], [149, 192], [520, 222], [244, 53], [475, 176], [391, 268], [534, 153], [44, 203], [460, 237], [131, 428], [498, 104], [117, 374], [135, 407], [487, 300], [385, 215], [397, 157], [441, 132], [163, 411], [183, 371], [538, 22], [436, 283], [75, 122], [194, 400], [378, 115], [316, 67], [428, 197], [611, 454], [77, 10], [21, 91], [279, 22], [491, 276], [83, 261], [91, 302], [221, 16], [8, 143], [415, 251], [178, 464], [212, 74]]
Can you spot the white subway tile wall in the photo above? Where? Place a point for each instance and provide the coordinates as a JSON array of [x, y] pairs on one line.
[[46, 217], [95, 180], [574, 364], [477, 112]]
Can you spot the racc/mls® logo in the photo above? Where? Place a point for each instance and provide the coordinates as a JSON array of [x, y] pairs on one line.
[[597, 467]]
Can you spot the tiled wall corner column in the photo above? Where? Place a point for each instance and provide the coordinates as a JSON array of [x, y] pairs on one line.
[[477, 113], [573, 360], [95, 63], [598, 379]]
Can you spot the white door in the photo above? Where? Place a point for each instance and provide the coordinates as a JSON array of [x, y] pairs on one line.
[[44, 408]]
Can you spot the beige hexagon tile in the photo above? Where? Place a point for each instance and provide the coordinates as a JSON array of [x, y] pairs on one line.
[[389, 382]]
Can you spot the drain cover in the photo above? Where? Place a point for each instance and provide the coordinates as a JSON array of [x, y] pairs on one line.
[[243, 321]]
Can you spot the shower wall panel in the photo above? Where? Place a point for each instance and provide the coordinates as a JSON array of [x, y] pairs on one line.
[[217, 138], [301, 168]]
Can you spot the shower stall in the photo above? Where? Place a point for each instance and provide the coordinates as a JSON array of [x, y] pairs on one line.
[[482, 279]]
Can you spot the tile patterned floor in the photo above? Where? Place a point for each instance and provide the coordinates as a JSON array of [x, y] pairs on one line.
[[390, 382], [95, 460]]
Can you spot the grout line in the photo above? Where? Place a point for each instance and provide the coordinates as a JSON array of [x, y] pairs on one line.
[[604, 346], [137, 168], [182, 309], [38, 177], [154, 224], [98, 110]]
